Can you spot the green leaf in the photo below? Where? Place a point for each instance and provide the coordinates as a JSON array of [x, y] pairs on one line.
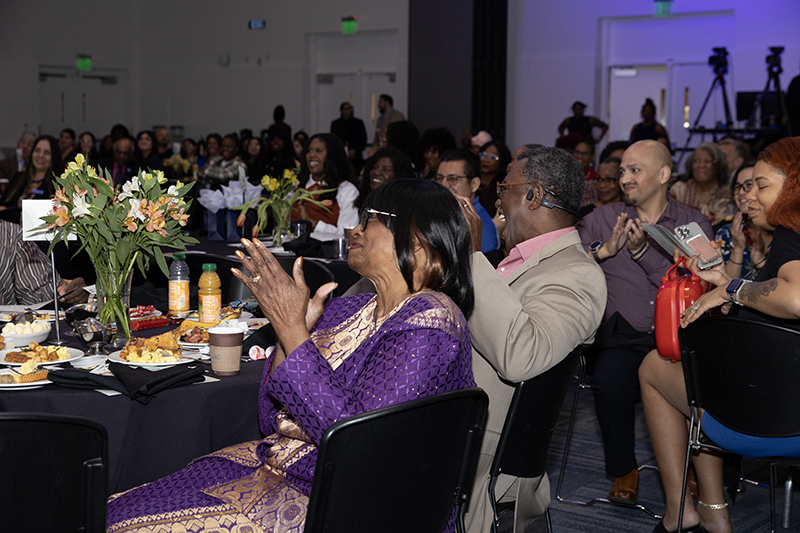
[[123, 250], [162, 262]]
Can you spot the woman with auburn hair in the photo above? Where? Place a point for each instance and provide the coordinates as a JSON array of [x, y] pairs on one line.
[[773, 297]]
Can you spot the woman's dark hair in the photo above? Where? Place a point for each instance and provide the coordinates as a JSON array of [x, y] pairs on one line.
[[91, 157], [137, 153], [337, 166], [183, 152], [246, 157], [277, 163], [783, 156], [70, 132], [504, 152], [749, 164], [439, 139], [649, 103], [718, 158], [404, 136], [400, 163], [18, 185], [279, 114], [428, 214], [613, 147], [217, 137], [302, 137]]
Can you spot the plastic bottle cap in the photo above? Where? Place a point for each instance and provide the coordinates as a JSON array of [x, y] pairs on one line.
[[209, 266], [179, 257]]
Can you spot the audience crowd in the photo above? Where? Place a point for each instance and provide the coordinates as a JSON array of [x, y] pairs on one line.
[[559, 253]]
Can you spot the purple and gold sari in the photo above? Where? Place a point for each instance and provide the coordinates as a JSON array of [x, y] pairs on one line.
[[352, 364]]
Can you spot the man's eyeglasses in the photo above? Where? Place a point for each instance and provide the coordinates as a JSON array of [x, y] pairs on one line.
[[368, 214], [503, 187], [746, 186], [451, 179], [493, 157], [605, 181]]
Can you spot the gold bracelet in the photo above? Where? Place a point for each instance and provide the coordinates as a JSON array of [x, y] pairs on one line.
[[712, 506]]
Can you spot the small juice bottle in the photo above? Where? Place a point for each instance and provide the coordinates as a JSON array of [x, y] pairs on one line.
[[178, 286], [209, 296]]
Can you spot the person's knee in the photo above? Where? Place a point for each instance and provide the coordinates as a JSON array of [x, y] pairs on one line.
[[650, 368]]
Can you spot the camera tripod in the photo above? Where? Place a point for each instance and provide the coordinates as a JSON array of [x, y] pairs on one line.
[[774, 70], [719, 79]]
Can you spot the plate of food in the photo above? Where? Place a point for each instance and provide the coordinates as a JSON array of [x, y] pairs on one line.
[[11, 381], [48, 314], [43, 355], [163, 358], [256, 323], [144, 311]]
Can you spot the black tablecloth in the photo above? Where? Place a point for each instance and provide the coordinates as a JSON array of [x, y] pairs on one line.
[[146, 442]]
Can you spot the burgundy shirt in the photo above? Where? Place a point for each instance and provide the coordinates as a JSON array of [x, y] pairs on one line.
[[632, 286]]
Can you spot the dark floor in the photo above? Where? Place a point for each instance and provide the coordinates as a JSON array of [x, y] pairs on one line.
[[585, 479]]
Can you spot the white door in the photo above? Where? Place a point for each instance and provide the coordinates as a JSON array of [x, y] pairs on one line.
[[629, 87], [92, 101]]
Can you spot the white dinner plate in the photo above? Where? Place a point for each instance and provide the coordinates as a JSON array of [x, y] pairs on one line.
[[74, 353], [22, 386], [152, 314], [115, 358], [256, 323]]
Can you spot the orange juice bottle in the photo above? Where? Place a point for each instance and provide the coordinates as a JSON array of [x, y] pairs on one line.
[[209, 296]]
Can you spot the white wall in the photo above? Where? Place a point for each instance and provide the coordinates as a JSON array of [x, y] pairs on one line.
[[170, 50], [554, 47]]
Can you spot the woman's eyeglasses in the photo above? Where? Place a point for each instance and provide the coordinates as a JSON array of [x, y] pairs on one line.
[[451, 179], [368, 214], [493, 157], [605, 181], [746, 186]]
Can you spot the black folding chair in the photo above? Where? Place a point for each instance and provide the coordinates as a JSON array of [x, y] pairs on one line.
[[55, 474], [744, 374], [583, 385], [406, 467], [525, 439]]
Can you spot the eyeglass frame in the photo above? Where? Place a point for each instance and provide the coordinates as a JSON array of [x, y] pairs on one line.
[[740, 187], [545, 202], [363, 217], [493, 157], [447, 178]]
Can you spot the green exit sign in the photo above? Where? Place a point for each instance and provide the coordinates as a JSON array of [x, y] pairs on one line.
[[83, 63], [349, 25], [663, 8]]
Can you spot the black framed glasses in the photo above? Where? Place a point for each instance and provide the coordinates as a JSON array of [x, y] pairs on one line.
[[746, 186], [450, 179], [605, 181], [493, 157], [368, 214]]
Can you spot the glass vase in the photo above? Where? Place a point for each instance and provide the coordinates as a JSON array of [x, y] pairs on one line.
[[114, 304], [281, 233]]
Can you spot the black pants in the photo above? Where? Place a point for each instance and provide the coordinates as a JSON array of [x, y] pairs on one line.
[[615, 385]]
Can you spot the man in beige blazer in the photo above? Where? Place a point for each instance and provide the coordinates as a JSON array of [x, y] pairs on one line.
[[546, 298]]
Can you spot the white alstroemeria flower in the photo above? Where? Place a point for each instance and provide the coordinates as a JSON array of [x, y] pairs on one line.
[[129, 188], [135, 212], [172, 191], [80, 208]]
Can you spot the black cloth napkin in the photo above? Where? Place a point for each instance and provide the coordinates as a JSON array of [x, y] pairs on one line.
[[143, 384], [307, 247], [138, 384]]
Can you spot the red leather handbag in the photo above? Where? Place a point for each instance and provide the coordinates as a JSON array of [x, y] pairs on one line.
[[674, 296]]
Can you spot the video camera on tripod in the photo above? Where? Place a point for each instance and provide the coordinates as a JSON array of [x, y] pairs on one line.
[[774, 60], [720, 61]]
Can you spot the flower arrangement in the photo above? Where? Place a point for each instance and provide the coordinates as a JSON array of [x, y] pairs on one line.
[[179, 167], [118, 227], [283, 193]]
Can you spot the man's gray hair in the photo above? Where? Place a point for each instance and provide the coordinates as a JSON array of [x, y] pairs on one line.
[[557, 170]]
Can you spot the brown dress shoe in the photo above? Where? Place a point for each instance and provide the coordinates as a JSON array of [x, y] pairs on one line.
[[626, 488]]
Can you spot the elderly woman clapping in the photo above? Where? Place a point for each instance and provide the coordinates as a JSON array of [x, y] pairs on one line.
[[356, 354]]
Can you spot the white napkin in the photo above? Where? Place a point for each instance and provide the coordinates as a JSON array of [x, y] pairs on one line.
[[212, 200], [233, 193], [236, 324]]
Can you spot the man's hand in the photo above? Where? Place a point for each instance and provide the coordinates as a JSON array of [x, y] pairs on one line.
[[619, 234], [473, 221], [637, 236], [70, 292]]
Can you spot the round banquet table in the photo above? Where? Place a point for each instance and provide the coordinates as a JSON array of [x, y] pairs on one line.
[[147, 442]]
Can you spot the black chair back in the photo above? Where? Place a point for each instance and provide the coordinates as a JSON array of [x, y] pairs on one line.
[[532, 415], [744, 373], [55, 474], [398, 469]]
